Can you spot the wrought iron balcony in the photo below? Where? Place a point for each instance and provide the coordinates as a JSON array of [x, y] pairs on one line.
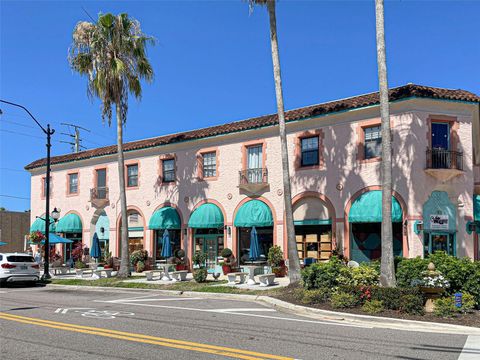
[[444, 164], [99, 196], [253, 180]]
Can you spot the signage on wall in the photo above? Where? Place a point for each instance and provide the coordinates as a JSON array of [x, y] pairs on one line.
[[439, 222]]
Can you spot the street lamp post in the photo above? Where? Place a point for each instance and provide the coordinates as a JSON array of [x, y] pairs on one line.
[[49, 132]]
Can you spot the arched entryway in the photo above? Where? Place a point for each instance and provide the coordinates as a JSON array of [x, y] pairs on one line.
[[314, 218], [253, 214], [363, 225], [136, 231], [207, 226], [100, 225], [164, 219]]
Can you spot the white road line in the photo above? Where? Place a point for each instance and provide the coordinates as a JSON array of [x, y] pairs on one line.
[[172, 299], [471, 349], [241, 314], [243, 310]]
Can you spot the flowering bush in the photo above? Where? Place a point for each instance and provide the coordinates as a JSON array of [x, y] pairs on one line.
[[138, 256], [77, 252], [433, 280], [36, 237]]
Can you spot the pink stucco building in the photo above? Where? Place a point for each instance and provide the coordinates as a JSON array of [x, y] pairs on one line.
[[210, 187]]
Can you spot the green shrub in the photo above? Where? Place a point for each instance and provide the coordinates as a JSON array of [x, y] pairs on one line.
[[200, 275], [373, 306], [472, 285], [341, 300], [275, 256], [140, 266], [456, 271], [468, 302], [392, 297], [138, 255], [322, 275], [445, 307], [199, 258], [80, 265], [226, 252], [298, 293], [412, 304], [410, 270], [316, 296]]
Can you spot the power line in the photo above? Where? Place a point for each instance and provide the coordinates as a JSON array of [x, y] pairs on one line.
[[76, 145], [14, 197], [23, 134], [8, 169], [16, 123]]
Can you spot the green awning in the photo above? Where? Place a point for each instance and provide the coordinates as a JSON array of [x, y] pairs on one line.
[[206, 216], [476, 207], [39, 225], [165, 218], [254, 213], [312, 222], [70, 223], [368, 208]]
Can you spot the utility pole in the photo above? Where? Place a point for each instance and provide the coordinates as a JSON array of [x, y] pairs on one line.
[[76, 144]]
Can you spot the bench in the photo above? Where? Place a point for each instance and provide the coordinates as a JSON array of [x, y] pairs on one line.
[[266, 279], [180, 275], [80, 272], [232, 277], [62, 269], [98, 272], [151, 273]]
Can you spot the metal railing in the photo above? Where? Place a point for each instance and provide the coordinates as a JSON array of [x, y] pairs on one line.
[[444, 159], [253, 176], [99, 193]]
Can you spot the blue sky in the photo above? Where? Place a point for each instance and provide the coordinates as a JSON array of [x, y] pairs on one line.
[[212, 65]]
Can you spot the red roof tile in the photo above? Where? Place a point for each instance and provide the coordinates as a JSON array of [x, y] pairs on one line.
[[398, 93]]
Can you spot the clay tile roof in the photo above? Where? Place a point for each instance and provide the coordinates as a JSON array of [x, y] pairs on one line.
[[355, 102]]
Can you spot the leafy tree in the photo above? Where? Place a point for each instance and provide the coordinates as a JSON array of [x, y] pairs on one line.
[[111, 53]]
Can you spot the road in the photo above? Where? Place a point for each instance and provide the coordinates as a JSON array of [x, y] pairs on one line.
[[69, 323]]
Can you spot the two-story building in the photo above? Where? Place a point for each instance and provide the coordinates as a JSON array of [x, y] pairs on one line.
[[210, 187]]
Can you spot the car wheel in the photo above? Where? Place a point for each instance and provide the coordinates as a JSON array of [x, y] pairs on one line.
[[3, 282]]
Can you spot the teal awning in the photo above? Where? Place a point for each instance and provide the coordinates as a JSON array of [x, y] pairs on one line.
[[70, 223], [206, 216], [39, 225], [476, 207], [165, 218], [313, 222], [368, 208], [254, 213]]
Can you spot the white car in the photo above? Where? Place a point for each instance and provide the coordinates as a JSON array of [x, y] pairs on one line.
[[18, 267]]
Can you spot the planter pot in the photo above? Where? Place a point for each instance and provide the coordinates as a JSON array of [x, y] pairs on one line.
[[180, 267], [431, 293], [227, 269], [280, 271], [107, 267]]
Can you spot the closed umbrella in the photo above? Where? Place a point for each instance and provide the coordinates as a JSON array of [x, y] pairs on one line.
[[166, 247], [2, 243], [254, 246], [95, 250]]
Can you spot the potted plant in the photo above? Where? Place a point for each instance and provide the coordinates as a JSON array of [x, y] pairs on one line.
[[138, 259], [36, 237], [79, 267], [432, 284], [276, 261], [108, 261], [228, 261], [199, 273], [179, 260]]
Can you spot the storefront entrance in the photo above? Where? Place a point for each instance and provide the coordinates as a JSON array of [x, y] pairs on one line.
[[437, 241], [211, 243], [265, 242]]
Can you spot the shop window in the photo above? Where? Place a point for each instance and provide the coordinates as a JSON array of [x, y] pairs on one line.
[[373, 142], [168, 170], [309, 151], [439, 242], [314, 241], [73, 183], [209, 164], [132, 175]]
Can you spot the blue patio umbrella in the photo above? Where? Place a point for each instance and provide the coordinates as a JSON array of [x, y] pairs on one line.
[[55, 239], [254, 253], [95, 250], [166, 247], [2, 243]]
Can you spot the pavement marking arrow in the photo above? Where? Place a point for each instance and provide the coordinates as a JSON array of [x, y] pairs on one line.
[[65, 310]]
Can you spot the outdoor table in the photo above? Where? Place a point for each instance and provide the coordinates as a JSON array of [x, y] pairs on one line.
[[166, 275], [251, 267]]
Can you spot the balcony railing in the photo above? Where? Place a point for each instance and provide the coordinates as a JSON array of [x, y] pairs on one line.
[[99, 193], [253, 179], [444, 159]]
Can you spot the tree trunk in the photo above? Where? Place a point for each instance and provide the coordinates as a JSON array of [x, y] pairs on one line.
[[293, 261], [124, 270], [387, 273]]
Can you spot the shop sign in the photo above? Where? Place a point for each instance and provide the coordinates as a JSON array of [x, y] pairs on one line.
[[439, 222]]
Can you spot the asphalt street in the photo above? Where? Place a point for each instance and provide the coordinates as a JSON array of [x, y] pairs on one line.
[[58, 323]]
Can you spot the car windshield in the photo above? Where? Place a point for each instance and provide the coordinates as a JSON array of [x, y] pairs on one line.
[[20, 258]]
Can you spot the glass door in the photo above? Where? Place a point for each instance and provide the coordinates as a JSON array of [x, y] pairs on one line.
[[438, 241], [441, 146], [254, 164], [211, 245]]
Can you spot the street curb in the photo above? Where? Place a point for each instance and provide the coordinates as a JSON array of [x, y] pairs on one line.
[[319, 314]]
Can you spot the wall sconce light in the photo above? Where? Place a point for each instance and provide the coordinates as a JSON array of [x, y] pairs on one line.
[[472, 226], [228, 229], [418, 226], [102, 230], [185, 232]]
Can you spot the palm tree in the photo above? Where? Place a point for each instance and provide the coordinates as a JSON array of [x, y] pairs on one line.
[[112, 54], [294, 263], [387, 277]]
